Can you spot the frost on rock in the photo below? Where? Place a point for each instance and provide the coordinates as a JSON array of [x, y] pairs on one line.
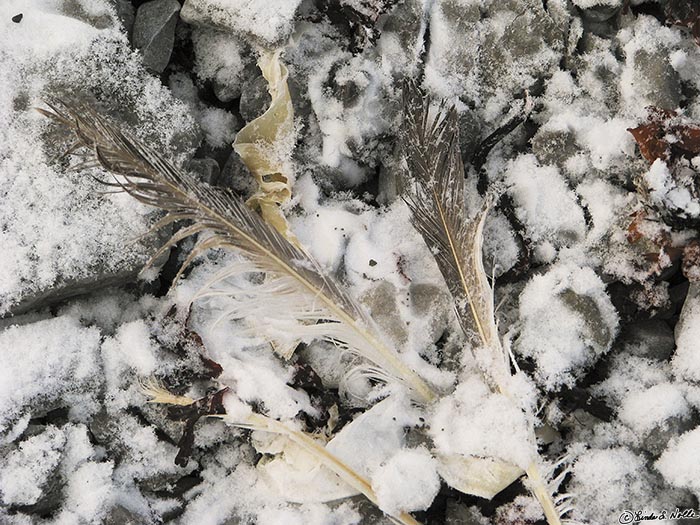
[[61, 237], [574, 298]]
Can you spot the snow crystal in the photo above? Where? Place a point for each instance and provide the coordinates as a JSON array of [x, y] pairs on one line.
[[407, 482]]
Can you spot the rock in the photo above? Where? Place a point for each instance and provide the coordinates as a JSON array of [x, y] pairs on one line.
[[432, 302], [206, 170], [519, 42], [652, 339], [119, 515], [125, 12], [656, 441], [600, 12], [656, 79], [255, 98], [554, 147], [270, 23], [154, 32], [381, 301]]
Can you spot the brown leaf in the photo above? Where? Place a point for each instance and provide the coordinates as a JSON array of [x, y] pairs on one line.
[[633, 230], [209, 405], [664, 137], [685, 13]]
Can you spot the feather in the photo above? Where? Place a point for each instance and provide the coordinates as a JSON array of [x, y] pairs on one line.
[[434, 189], [295, 285], [239, 414]]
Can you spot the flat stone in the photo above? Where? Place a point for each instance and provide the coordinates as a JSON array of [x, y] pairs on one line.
[[154, 32]]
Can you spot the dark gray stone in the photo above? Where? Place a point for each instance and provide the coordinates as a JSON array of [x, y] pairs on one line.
[[652, 339], [154, 32], [206, 170], [657, 79], [127, 16], [255, 98]]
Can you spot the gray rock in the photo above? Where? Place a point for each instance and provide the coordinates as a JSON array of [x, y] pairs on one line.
[[431, 301], [652, 339], [206, 170], [154, 32], [119, 515], [126, 14], [554, 147], [255, 98], [235, 175], [657, 439], [596, 330], [600, 13], [656, 79], [381, 301]]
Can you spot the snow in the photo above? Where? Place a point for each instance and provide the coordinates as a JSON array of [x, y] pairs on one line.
[[572, 297], [679, 463], [45, 361], [462, 425], [545, 205], [77, 434], [59, 233], [26, 470], [608, 482], [407, 482], [267, 21], [645, 410]]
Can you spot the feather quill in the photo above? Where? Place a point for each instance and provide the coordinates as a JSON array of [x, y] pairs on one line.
[[434, 189], [243, 417], [295, 284]]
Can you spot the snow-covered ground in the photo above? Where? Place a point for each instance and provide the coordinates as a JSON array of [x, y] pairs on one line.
[[591, 244]]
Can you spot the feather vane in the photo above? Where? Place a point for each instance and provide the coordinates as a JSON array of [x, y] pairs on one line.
[[296, 281]]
